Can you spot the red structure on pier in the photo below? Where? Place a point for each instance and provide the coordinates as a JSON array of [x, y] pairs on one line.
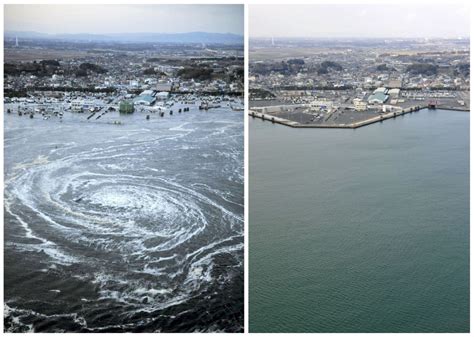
[[432, 104]]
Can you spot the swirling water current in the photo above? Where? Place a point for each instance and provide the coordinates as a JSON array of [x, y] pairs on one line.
[[132, 227]]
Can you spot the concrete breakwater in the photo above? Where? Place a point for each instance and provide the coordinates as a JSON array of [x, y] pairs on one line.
[[376, 119]]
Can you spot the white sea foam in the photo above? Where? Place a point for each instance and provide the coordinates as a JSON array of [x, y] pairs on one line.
[[106, 199]]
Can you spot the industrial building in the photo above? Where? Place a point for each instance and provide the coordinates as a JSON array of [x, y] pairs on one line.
[[147, 97], [379, 96], [394, 93]]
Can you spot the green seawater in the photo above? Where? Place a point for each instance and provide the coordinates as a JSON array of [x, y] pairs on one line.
[[361, 230]]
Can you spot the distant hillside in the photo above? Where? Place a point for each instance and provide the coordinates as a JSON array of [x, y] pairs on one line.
[[192, 37]]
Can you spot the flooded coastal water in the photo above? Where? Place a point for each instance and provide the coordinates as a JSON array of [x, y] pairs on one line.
[[362, 230], [133, 227]]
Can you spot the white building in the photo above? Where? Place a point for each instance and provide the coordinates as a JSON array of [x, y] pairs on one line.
[[359, 104], [394, 93], [380, 89], [391, 108], [162, 96], [320, 104]]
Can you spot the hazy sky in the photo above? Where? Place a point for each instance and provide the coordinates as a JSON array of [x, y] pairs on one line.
[[414, 20], [100, 19]]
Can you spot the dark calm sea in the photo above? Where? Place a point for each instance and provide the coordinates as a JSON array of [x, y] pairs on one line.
[[361, 230]]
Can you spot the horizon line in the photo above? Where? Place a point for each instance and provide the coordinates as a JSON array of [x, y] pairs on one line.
[[110, 33], [356, 37]]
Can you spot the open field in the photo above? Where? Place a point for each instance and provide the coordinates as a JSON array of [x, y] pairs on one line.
[[283, 52], [28, 55]]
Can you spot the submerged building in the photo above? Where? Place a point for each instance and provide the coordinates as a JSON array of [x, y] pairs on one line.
[[147, 97], [126, 107], [80, 105]]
